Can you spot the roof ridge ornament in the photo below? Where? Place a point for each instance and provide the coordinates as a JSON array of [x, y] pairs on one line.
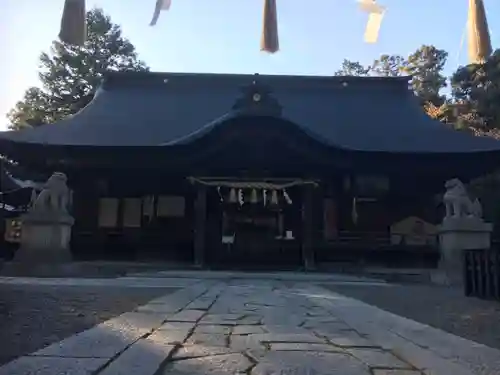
[[257, 99]]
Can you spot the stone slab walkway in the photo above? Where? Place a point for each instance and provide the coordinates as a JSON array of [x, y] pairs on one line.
[[34, 316], [278, 275], [259, 327], [131, 282]]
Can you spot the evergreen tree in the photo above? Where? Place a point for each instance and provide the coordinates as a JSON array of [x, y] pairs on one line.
[[426, 66], [389, 66], [352, 68], [70, 75], [476, 91]]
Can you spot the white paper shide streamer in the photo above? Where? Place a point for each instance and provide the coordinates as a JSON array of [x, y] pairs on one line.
[[375, 16], [160, 5]]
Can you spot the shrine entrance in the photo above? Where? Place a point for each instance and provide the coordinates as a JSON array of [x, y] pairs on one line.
[[255, 224]]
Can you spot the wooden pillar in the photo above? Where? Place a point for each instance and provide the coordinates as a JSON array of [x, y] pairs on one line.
[[200, 221], [307, 228]]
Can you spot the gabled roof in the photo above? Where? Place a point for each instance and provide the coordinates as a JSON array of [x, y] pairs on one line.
[[164, 109]]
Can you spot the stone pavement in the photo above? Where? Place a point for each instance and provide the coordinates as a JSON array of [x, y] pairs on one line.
[[259, 327]]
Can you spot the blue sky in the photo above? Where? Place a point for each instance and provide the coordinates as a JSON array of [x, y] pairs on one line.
[[223, 35]]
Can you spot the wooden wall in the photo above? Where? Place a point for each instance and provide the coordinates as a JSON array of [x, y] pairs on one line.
[[143, 225], [172, 238]]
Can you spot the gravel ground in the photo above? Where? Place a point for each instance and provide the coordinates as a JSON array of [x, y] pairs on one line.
[[32, 317], [443, 308]]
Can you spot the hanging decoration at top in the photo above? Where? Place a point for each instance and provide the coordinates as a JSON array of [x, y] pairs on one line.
[[479, 46], [375, 15], [269, 41], [160, 5], [73, 25]]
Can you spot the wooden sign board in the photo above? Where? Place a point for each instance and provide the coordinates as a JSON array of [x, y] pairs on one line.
[[413, 231]]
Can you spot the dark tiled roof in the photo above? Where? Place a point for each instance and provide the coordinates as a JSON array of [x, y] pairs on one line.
[[161, 109]]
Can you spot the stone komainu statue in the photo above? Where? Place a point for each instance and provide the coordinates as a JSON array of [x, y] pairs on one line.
[[458, 203], [55, 196]]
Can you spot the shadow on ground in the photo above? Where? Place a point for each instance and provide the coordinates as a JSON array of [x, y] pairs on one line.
[[32, 317]]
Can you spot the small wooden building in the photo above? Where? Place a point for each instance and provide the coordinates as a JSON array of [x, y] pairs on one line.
[[215, 168]]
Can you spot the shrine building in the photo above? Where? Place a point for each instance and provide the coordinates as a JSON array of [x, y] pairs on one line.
[[252, 169]]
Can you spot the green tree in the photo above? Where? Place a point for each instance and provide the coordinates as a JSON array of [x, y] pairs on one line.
[[425, 66], [445, 112], [389, 66], [476, 89], [352, 68], [70, 75]]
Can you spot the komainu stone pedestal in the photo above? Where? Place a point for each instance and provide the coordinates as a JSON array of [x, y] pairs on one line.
[[44, 239], [46, 228], [455, 236]]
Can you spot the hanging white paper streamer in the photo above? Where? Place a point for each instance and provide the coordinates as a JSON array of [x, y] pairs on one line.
[[375, 16], [373, 27], [160, 5], [287, 197], [370, 6], [240, 197]]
